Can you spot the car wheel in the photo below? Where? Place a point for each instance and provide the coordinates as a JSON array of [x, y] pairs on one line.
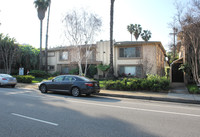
[[75, 92], [43, 89]]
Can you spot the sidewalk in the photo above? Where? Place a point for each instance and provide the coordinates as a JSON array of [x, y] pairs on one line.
[[169, 97], [178, 93]]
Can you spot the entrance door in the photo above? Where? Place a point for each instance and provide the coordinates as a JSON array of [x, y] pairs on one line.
[[177, 75]]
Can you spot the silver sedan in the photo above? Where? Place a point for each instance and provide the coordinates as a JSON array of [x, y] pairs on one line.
[[7, 80]]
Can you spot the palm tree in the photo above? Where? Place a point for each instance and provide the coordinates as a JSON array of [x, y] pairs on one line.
[[146, 35], [46, 46], [111, 70], [41, 6], [131, 29], [137, 31]]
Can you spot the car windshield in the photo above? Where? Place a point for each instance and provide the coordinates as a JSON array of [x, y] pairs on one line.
[[5, 75]]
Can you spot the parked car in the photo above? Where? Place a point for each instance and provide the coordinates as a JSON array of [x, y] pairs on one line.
[[7, 80], [73, 84]]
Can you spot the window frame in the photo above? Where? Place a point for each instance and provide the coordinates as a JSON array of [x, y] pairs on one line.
[[61, 55], [132, 65], [125, 47]]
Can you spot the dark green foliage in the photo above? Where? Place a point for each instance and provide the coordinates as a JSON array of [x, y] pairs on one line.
[[146, 35], [50, 78], [74, 71], [92, 70], [55, 74], [28, 58], [39, 73], [24, 78], [151, 83], [193, 89], [103, 67]]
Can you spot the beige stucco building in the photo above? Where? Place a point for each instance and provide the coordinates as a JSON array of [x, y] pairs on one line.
[[129, 58], [133, 58]]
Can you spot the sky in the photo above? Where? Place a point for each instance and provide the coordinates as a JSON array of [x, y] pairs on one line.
[[19, 19]]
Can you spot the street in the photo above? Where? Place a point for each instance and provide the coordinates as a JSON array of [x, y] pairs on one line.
[[29, 113]]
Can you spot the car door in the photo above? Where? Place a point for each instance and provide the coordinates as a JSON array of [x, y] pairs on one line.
[[56, 83], [67, 83]]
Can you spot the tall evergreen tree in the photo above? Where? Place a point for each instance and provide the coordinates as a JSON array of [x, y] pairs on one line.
[[137, 31], [111, 70], [131, 29], [146, 35], [41, 6]]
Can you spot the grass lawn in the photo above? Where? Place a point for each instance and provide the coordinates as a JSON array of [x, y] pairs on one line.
[[101, 84]]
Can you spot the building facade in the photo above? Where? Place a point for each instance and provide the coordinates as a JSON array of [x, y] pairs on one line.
[[129, 58], [134, 58]]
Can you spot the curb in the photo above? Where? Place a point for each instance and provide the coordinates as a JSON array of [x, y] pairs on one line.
[[177, 100]]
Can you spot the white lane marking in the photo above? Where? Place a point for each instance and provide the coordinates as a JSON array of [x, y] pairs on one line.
[[34, 119], [139, 109]]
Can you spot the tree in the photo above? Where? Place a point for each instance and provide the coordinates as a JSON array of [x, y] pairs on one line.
[[8, 50], [131, 29], [103, 68], [41, 6], [80, 30], [189, 20], [111, 70], [146, 35], [137, 31], [46, 44], [27, 57]]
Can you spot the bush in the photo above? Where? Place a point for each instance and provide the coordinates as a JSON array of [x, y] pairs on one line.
[[55, 74], [74, 71], [50, 78], [39, 73], [92, 70], [153, 83], [24, 78], [193, 89]]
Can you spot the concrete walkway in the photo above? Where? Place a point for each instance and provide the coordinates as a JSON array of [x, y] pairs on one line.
[[178, 93]]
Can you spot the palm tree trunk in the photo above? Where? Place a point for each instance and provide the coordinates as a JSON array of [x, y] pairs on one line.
[[111, 70], [46, 46], [40, 66]]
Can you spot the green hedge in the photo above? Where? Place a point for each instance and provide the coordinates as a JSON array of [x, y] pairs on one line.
[[193, 89], [151, 83], [39, 73], [24, 78]]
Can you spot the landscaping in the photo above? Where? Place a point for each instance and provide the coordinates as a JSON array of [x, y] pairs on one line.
[[193, 89], [151, 83]]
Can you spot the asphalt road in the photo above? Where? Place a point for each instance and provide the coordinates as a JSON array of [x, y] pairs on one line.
[[28, 113]]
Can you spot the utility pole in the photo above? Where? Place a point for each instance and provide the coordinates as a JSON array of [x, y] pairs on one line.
[[174, 45]]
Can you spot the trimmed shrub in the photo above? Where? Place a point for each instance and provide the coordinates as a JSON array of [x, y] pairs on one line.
[[24, 78], [74, 71], [152, 83], [55, 74], [39, 73], [50, 78]]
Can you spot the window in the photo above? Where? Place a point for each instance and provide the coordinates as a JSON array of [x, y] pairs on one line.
[[51, 68], [131, 52], [130, 70], [64, 55], [59, 79], [69, 79]]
